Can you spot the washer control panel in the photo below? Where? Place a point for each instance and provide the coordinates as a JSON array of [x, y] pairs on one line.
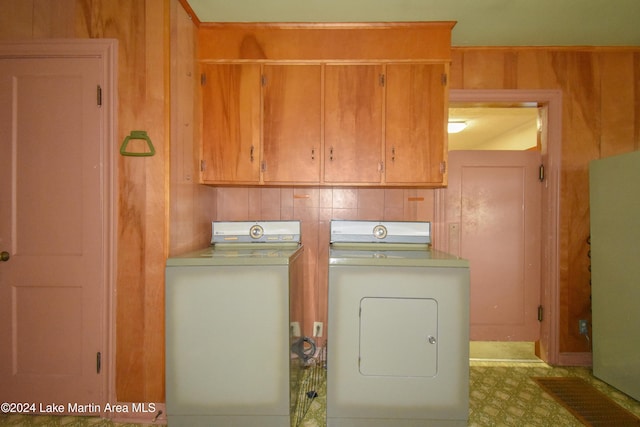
[[255, 232]]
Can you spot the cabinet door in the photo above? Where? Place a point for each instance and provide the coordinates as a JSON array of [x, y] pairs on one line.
[[415, 124], [291, 130], [231, 123], [353, 123]]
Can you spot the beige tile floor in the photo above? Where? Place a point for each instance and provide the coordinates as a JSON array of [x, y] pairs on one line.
[[501, 394]]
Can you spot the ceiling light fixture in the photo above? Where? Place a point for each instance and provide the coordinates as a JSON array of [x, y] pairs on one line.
[[456, 126]]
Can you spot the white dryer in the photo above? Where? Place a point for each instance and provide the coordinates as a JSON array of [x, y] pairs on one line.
[[398, 328]]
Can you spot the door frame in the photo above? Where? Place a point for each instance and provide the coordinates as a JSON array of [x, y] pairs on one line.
[[107, 50], [551, 149]]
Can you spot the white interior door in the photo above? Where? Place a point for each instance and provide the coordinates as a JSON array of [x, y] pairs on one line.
[[493, 216], [52, 227]]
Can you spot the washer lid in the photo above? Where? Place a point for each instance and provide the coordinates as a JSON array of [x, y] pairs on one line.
[[380, 231], [345, 254], [240, 255], [255, 232]]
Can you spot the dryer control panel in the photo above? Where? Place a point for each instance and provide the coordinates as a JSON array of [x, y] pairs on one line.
[[344, 231]]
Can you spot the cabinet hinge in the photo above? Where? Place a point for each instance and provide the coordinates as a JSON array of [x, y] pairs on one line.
[[99, 95], [203, 165], [203, 79], [263, 80], [541, 173], [381, 80], [263, 166], [539, 313], [444, 79], [381, 167], [98, 362], [443, 167]]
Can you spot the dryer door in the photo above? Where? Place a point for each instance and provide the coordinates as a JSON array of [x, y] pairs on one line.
[[398, 337]]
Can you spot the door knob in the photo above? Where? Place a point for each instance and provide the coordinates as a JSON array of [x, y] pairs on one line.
[[4, 256]]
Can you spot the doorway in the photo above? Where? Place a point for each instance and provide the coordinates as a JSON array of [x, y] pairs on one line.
[[493, 209], [549, 105], [56, 221]]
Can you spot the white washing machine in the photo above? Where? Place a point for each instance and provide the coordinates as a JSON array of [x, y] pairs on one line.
[[398, 328], [233, 312]]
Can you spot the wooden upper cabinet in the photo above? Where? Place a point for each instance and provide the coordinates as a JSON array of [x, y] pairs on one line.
[[353, 116], [415, 130], [291, 123], [360, 104], [231, 123]]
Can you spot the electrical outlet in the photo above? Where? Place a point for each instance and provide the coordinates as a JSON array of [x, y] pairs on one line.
[[295, 329], [583, 327], [317, 329]]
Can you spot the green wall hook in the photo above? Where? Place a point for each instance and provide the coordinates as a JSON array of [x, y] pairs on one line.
[[137, 134]]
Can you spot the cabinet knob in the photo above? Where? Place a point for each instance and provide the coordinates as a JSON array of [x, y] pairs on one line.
[[4, 256]]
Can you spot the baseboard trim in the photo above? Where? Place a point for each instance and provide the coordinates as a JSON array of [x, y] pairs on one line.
[[139, 413], [575, 359]]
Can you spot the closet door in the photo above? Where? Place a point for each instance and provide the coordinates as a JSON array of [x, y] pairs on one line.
[[54, 220]]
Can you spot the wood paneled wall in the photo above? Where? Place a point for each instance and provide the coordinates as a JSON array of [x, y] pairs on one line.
[[600, 117], [192, 206]]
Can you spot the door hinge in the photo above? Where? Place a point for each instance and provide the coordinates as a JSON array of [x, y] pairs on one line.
[[99, 95], [98, 362], [443, 167], [203, 165], [539, 313], [203, 79], [381, 80], [443, 79], [541, 173]]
